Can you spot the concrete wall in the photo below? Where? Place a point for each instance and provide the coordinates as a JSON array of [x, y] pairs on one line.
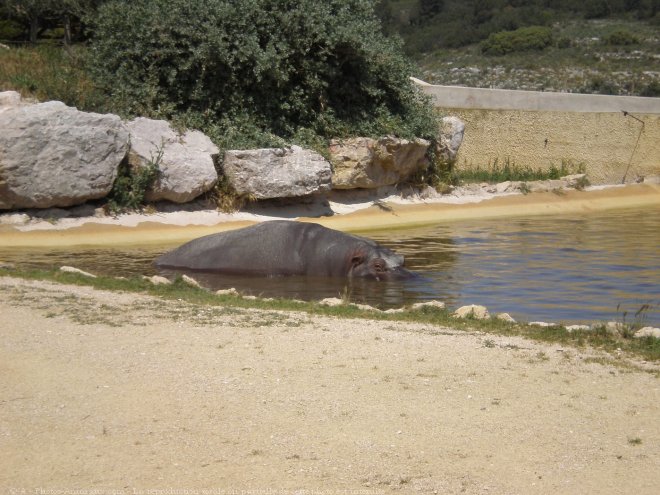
[[540, 130]]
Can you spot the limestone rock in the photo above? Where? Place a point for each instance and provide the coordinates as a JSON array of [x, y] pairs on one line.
[[54, 155], [647, 332], [190, 281], [14, 219], [505, 317], [574, 180], [227, 292], [452, 130], [394, 310], [574, 328], [277, 172], [364, 307], [540, 324], [158, 280], [71, 269], [472, 311], [10, 99], [335, 301], [331, 301], [185, 161], [546, 185], [369, 163], [428, 304]]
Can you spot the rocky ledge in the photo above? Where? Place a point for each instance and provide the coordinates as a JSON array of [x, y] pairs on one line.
[[52, 155]]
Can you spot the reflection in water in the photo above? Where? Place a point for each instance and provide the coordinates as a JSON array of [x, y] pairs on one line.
[[392, 293], [572, 269]]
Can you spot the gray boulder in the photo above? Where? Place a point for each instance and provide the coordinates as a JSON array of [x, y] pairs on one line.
[[277, 172], [185, 161], [10, 99], [451, 138], [473, 311], [369, 163], [54, 155]]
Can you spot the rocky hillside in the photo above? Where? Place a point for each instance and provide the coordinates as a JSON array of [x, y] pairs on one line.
[[597, 46], [615, 57]]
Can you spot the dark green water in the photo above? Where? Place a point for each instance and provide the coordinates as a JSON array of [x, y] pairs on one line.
[[559, 269]]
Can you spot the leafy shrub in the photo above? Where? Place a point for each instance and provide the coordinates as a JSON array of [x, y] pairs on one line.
[[268, 67], [10, 30], [527, 38], [621, 37], [652, 89], [564, 42], [131, 185], [600, 85]]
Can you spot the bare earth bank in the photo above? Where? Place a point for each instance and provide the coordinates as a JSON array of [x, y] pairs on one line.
[[120, 393]]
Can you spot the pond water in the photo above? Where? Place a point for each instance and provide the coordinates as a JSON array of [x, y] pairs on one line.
[[593, 267]]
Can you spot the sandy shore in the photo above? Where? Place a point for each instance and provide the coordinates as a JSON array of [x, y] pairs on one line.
[[350, 215], [122, 393]]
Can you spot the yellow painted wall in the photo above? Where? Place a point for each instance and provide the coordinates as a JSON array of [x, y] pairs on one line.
[[607, 144]]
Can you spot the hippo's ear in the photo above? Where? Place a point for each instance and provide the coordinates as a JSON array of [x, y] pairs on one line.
[[356, 260]]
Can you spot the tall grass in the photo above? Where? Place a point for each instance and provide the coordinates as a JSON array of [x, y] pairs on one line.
[[49, 72], [510, 171]]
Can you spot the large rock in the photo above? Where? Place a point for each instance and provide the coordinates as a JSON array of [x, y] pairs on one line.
[[54, 155], [472, 311], [10, 99], [185, 160], [451, 138], [369, 163], [277, 172]]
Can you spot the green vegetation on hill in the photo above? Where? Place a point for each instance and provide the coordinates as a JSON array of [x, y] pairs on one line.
[[426, 25], [598, 46]]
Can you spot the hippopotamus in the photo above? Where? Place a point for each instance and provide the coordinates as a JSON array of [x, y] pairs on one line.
[[282, 247]]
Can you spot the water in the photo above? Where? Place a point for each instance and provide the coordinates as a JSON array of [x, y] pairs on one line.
[[571, 269]]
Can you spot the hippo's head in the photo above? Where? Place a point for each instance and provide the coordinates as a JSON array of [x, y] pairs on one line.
[[378, 263]]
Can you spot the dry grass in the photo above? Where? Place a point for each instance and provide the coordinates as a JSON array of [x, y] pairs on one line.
[[49, 72]]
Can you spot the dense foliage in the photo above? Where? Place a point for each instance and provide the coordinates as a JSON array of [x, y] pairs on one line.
[[258, 68], [522, 39]]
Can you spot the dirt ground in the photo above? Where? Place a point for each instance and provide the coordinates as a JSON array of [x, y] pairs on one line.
[[106, 393]]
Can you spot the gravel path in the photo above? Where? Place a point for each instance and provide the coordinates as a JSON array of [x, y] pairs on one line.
[[106, 393]]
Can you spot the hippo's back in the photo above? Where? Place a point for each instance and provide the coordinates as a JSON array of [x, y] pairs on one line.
[[270, 248]]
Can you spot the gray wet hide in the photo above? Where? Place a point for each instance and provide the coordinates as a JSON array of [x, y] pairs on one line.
[[279, 248]]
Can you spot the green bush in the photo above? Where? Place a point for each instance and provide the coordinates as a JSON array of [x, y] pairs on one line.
[[523, 39], [652, 89], [621, 37], [258, 68], [10, 30], [130, 187]]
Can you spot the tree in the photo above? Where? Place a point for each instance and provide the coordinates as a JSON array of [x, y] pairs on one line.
[[36, 13], [28, 11], [283, 67]]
